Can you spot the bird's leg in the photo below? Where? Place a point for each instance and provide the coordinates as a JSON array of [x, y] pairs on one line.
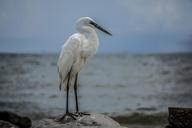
[[67, 104], [76, 99], [75, 90]]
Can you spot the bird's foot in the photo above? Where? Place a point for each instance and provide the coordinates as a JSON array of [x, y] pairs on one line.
[[67, 116], [82, 114]]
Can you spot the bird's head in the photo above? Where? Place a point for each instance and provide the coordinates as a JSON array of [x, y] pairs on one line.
[[88, 22]]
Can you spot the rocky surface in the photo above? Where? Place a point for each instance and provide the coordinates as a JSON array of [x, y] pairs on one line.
[[11, 120], [93, 120], [180, 117], [5, 124]]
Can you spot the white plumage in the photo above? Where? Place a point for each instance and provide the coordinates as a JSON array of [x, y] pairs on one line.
[[77, 49], [74, 54]]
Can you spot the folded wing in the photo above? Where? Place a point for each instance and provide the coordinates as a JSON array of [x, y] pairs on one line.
[[68, 56]]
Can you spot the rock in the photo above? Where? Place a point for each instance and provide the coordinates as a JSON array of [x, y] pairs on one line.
[[93, 120], [180, 117], [4, 124], [8, 118]]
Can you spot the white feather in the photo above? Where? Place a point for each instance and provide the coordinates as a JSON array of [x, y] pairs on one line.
[[76, 50], [68, 56]]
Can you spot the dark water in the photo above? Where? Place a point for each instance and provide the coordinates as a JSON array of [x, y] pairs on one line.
[[114, 84]]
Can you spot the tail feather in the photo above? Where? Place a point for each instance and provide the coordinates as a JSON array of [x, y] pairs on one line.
[[63, 82], [59, 79]]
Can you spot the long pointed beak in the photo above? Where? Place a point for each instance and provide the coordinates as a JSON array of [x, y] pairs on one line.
[[100, 28]]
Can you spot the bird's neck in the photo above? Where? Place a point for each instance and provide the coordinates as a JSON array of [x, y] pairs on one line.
[[93, 38], [91, 42]]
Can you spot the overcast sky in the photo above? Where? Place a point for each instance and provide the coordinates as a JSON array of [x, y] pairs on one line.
[[138, 26]]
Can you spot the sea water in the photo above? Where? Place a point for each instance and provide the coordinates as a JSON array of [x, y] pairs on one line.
[[115, 84]]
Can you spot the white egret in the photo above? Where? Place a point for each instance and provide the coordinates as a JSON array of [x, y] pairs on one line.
[[74, 54]]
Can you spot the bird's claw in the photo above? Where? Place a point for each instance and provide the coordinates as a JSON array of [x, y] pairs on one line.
[[66, 116], [82, 114]]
